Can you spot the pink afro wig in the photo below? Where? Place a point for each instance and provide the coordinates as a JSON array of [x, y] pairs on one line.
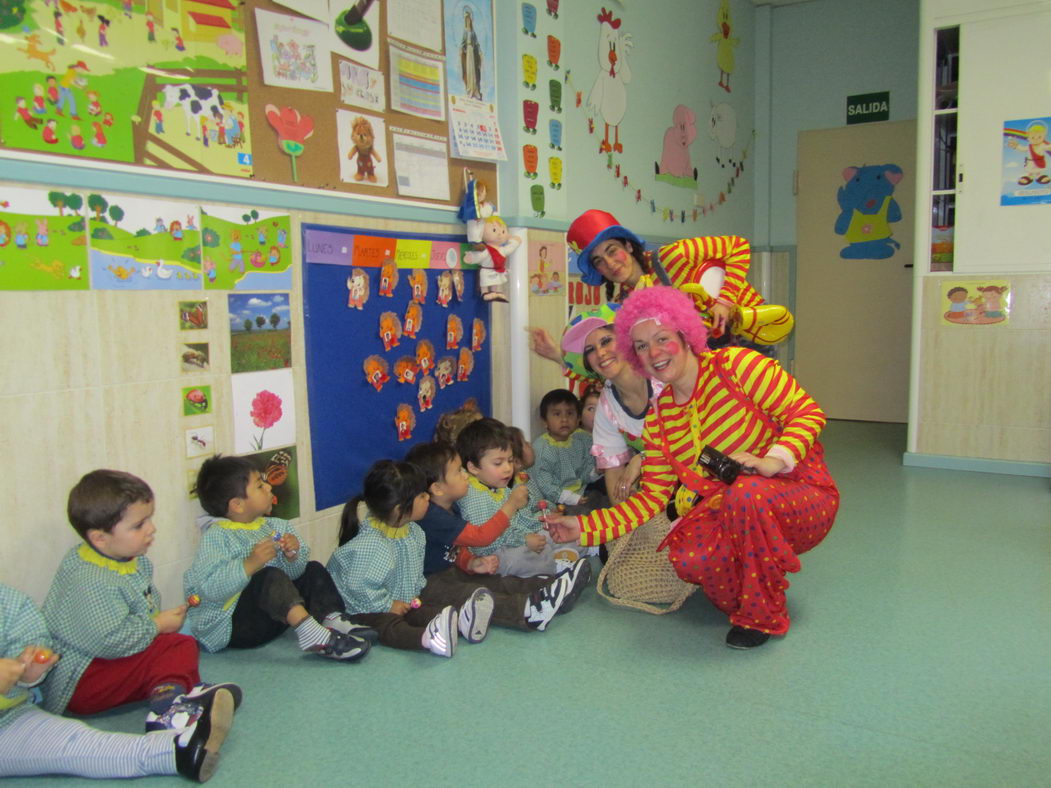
[[669, 308]]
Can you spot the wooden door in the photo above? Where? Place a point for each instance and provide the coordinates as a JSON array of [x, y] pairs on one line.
[[854, 268]]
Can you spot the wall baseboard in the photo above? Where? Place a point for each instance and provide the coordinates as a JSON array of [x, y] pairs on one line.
[[976, 464]]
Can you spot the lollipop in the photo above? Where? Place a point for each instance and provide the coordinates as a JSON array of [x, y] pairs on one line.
[[542, 506], [43, 655], [193, 600], [416, 603], [523, 477]]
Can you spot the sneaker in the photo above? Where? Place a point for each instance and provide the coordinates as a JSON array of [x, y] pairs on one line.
[[440, 636], [204, 690], [180, 715], [579, 575], [743, 638], [197, 747], [346, 648], [545, 602], [341, 622], [475, 615]]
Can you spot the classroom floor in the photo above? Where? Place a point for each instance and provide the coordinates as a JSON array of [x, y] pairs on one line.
[[920, 654]]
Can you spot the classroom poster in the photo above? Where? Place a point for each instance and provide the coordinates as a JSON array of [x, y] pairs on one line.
[[43, 244], [416, 83], [417, 22], [294, 52], [975, 302], [547, 268], [355, 30], [260, 331], [362, 86], [143, 244], [363, 156], [264, 409], [280, 469], [158, 84], [245, 248], [1026, 178]]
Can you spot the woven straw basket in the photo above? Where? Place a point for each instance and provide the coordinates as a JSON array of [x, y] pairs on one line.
[[637, 576]]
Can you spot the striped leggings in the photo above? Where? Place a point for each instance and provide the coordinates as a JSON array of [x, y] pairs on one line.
[[36, 742]]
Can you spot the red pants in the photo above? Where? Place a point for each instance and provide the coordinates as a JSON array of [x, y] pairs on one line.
[[740, 552], [108, 683]]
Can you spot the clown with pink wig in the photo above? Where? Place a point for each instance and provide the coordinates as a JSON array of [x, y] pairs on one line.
[[739, 537]]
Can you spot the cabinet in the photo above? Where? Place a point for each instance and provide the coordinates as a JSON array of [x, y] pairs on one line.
[[943, 176]]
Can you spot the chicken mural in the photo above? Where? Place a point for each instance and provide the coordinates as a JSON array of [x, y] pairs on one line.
[[724, 44], [609, 94]]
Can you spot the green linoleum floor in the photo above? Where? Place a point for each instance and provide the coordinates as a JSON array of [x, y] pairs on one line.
[[920, 654]]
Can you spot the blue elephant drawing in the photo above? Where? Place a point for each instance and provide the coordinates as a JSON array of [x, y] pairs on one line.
[[867, 208]]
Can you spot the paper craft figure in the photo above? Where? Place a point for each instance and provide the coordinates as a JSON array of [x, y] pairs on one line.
[[413, 319], [406, 370], [465, 366], [425, 394], [477, 334], [425, 356], [376, 371], [390, 330], [453, 332], [609, 94], [444, 371], [388, 277], [418, 283], [404, 421], [458, 284], [445, 288]]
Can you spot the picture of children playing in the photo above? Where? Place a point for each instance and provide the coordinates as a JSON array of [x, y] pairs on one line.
[[991, 304]]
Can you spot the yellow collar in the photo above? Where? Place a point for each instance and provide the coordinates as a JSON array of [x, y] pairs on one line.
[[566, 444], [230, 525], [496, 495], [96, 558], [390, 531]]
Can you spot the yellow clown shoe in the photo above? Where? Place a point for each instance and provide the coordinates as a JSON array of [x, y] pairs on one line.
[[766, 324]]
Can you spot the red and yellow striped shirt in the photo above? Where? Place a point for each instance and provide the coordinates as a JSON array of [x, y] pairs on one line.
[[712, 416], [687, 259]]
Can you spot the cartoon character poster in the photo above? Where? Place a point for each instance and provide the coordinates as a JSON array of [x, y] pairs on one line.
[[363, 156], [1026, 176], [547, 267], [975, 302], [139, 244], [157, 84], [43, 244], [260, 331], [245, 248]]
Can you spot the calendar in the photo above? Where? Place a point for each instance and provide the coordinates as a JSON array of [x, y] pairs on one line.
[[475, 131]]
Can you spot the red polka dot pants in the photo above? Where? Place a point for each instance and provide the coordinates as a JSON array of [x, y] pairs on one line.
[[740, 553]]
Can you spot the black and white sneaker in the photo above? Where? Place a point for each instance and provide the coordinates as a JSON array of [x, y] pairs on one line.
[[201, 692], [197, 746], [579, 575], [346, 648], [341, 622], [475, 614], [441, 633], [545, 602]]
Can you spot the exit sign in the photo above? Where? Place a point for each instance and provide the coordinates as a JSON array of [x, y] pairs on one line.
[[868, 107]]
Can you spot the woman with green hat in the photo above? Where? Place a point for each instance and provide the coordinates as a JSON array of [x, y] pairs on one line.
[[589, 351]]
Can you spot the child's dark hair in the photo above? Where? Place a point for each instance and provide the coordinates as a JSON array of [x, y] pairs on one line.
[[517, 443], [590, 391], [432, 458], [558, 397], [388, 492], [479, 437], [222, 479], [643, 260], [99, 499], [956, 290]]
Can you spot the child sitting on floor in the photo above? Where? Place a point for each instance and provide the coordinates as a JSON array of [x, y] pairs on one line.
[[34, 742], [524, 549], [105, 617], [453, 573], [254, 575], [378, 567], [564, 465]]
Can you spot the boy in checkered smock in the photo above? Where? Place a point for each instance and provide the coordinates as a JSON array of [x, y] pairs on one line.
[[254, 576], [34, 742], [564, 465], [117, 643], [524, 549]]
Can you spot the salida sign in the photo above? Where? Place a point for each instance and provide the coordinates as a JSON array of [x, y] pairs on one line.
[[868, 107]]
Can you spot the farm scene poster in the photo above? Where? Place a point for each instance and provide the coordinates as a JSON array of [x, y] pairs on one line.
[[160, 83]]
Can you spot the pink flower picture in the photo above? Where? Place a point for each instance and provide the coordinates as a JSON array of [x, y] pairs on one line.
[[265, 413], [264, 410]]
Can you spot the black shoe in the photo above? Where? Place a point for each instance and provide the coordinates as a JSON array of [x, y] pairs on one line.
[[197, 747], [346, 648], [740, 637], [579, 575]]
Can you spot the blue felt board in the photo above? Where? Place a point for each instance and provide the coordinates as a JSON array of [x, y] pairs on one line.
[[351, 424]]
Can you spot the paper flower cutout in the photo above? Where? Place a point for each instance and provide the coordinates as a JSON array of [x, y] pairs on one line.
[[293, 130]]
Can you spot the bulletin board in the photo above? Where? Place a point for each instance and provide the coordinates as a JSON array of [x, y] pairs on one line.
[[367, 401], [184, 86]]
